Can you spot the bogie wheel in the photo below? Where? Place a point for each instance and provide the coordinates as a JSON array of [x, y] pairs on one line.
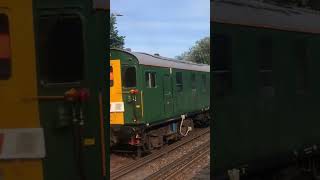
[[138, 153], [147, 146]]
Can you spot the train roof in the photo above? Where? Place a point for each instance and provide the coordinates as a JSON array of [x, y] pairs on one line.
[[159, 61], [265, 15]]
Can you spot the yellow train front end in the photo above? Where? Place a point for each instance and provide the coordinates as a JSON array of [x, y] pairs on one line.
[[21, 138], [116, 99]]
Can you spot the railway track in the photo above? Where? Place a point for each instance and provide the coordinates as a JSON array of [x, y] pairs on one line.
[[173, 169], [133, 166]]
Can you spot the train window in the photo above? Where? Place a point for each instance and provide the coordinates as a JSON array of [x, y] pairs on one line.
[[111, 76], [193, 81], [222, 52], [129, 76], [264, 55], [179, 81], [222, 65], [302, 66], [204, 82], [150, 78], [5, 54], [61, 49]]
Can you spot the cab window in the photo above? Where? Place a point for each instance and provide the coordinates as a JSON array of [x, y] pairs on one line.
[[61, 51], [5, 54], [129, 77]]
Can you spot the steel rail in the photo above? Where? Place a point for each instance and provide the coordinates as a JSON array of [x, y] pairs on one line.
[[132, 166], [172, 169]]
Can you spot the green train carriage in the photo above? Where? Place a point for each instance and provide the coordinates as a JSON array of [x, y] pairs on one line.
[[266, 79], [153, 93]]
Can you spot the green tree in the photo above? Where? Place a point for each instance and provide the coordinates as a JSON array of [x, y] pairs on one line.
[[116, 41], [199, 53]]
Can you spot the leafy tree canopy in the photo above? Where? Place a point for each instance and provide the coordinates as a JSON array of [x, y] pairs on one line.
[[199, 53], [116, 41]]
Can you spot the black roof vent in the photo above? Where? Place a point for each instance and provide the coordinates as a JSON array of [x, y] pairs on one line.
[[157, 54]]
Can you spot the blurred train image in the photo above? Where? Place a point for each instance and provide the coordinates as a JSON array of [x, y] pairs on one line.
[[154, 100], [52, 99], [266, 89]]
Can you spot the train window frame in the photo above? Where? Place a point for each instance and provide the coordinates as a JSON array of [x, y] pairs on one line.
[[193, 78], [55, 19], [265, 71], [6, 61], [179, 81], [124, 69], [150, 79], [302, 69], [223, 80], [204, 82]]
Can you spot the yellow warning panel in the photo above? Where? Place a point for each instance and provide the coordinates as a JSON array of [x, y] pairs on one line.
[[17, 19], [116, 101]]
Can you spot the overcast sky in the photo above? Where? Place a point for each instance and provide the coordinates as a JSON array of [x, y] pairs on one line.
[[167, 27]]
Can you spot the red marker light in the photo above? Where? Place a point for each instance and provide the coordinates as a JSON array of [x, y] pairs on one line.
[[83, 95], [134, 91], [71, 95]]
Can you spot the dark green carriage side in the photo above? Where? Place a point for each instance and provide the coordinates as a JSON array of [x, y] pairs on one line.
[[267, 105], [161, 100], [71, 42], [169, 98]]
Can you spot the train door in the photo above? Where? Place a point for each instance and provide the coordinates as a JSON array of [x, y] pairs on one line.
[[71, 84], [21, 137], [168, 95], [60, 70]]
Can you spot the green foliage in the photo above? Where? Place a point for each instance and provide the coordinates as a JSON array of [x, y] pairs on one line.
[[116, 41], [199, 53]]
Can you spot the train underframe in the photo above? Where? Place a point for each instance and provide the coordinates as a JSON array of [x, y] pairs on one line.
[[143, 138]]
